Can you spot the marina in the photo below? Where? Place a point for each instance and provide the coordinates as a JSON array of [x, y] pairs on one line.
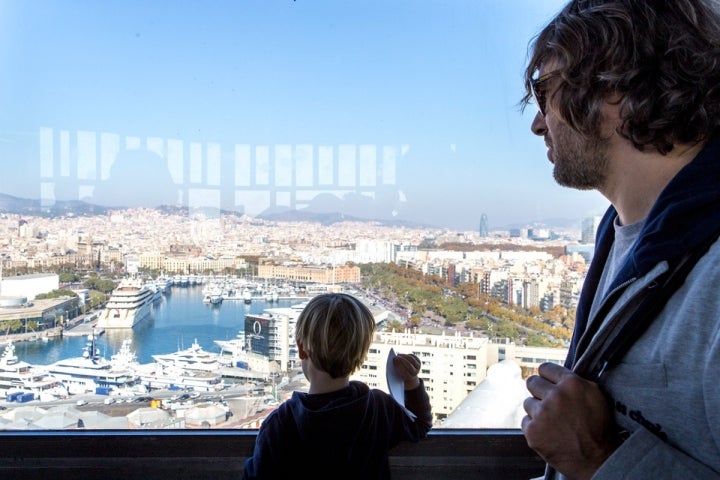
[[145, 376], [184, 343], [174, 323]]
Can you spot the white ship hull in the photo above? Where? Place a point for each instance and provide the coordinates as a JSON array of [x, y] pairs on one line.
[[157, 376], [123, 318], [194, 358], [129, 304], [91, 372], [19, 376]]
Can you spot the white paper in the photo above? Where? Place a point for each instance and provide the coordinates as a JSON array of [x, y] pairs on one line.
[[396, 385]]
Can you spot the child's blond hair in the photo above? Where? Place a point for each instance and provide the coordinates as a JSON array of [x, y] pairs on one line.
[[335, 330]]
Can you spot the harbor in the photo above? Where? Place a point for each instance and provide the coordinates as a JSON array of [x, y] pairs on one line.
[[179, 321], [175, 321], [169, 362]]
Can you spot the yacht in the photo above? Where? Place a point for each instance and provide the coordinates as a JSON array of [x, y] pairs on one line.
[[18, 376], [93, 373], [213, 295], [154, 375], [129, 303], [156, 291], [234, 347], [163, 283], [158, 376], [234, 352], [247, 295], [193, 358]]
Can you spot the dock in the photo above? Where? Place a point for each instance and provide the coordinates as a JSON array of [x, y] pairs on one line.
[[242, 374], [83, 329]]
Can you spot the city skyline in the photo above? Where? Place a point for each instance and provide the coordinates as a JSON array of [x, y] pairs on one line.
[[405, 111]]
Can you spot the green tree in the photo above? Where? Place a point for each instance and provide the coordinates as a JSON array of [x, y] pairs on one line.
[[56, 294], [68, 277], [96, 299]]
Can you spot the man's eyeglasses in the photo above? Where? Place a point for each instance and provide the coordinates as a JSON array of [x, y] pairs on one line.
[[538, 91]]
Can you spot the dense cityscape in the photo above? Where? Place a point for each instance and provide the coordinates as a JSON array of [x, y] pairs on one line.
[[498, 294], [535, 270]]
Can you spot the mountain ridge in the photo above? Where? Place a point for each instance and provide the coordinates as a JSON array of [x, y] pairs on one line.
[[10, 204]]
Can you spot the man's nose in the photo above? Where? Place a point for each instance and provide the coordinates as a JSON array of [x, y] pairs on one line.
[[538, 125]]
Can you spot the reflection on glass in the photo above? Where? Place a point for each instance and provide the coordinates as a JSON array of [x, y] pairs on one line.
[[268, 152]]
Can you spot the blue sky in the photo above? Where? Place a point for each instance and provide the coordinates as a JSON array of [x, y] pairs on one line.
[[435, 83]]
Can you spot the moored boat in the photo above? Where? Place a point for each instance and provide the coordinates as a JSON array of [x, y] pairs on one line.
[[129, 303], [156, 376], [193, 358], [92, 373], [213, 295], [247, 295], [21, 380]]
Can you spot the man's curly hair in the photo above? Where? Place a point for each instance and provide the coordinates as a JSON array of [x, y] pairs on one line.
[[661, 58]]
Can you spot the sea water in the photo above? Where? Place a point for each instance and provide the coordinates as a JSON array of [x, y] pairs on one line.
[[177, 319]]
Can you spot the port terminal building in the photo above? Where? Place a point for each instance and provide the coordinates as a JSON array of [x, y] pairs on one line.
[[23, 317]]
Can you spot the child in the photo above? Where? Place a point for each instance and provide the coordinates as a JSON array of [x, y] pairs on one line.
[[339, 429]]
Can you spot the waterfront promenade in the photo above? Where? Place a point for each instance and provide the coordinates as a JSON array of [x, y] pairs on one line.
[[76, 327], [82, 328]]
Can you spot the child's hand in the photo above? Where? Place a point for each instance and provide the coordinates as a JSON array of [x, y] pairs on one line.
[[408, 367]]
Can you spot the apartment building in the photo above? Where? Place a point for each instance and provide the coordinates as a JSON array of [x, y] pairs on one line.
[[452, 365]]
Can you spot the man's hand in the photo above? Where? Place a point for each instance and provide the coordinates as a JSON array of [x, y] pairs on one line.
[[569, 422], [408, 367]]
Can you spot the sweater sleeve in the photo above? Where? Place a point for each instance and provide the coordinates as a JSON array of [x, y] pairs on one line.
[[267, 454], [418, 402]]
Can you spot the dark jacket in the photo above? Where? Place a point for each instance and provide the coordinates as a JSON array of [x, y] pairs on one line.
[[344, 434]]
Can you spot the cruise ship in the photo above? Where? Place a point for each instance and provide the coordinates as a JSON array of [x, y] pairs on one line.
[[18, 376], [93, 373], [129, 304]]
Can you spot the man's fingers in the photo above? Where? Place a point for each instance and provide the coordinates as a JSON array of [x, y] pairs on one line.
[[553, 372], [531, 405], [538, 386]]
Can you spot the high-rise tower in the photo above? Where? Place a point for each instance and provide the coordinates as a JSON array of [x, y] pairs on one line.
[[589, 229], [483, 225]]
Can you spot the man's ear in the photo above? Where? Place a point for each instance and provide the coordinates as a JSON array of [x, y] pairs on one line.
[[301, 351]]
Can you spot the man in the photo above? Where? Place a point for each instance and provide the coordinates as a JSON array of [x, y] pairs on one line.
[[629, 100]]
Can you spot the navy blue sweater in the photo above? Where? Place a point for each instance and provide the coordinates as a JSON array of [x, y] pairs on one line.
[[344, 434]]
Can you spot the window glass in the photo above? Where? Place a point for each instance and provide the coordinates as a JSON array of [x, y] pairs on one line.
[[239, 158]]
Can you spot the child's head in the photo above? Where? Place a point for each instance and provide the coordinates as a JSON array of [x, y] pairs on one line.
[[335, 330]]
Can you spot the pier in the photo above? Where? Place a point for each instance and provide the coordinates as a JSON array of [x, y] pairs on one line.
[[83, 329]]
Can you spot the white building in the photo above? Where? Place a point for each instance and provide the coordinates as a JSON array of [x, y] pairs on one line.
[[29, 286], [455, 366], [452, 366]]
